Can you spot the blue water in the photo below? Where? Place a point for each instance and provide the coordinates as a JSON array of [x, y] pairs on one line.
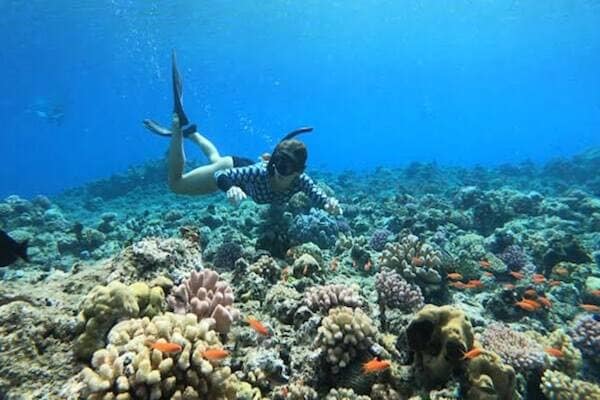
[[383, 82]]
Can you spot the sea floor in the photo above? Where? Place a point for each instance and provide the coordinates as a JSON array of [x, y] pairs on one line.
[[435, 283]]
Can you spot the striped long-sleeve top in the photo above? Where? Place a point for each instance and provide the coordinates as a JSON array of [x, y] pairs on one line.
[[254, 181]]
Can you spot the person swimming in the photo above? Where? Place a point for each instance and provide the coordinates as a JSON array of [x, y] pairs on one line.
[[272, 182]]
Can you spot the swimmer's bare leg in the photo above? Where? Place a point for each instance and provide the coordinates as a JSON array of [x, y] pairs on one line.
[[200, 180]]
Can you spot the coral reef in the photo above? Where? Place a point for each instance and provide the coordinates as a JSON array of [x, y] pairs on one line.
[[129, 368], [489, 378], [323, 298], [558, 386], [586, 335], [439, 336], [515, 348], [316, 227], [394, 292], [343, 335], [105, 305], [206, 296]]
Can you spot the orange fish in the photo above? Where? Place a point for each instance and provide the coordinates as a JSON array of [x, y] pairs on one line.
[[509, 286], [375, 365], [526, 306], [562, 271], [215, 354], [544, 301], [455, 276], [595, 293], [554, 282], [334, 264], [471, 354], [458, 285], [165, 347], [485, 264], [517, 275], [368, 266], [538, 278], [533, 303], [417, 261], [590, 308], [488, 274], [554, 352], [530, 294], [258, 326], [474, 284]]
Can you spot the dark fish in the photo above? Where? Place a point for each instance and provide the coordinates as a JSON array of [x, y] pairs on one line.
[[10, 250]]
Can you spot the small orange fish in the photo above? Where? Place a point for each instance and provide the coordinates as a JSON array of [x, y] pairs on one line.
[[509, 286], [532, 303], [538, 278], [471, 354], [367, 266], [258, 326], [526, 306], [458, 285], [334, 264], [215, 354], [530, 294], [562, 271], [554, 352], [165, 347], [474, 284], [590, 308], [455, 276], [554, 282], [417, 261], [375, 365], [517, 275], [488, 274], [485, 264], [544, 301], [595, 293]]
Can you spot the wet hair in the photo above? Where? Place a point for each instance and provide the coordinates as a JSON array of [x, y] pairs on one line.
[[288, 157]]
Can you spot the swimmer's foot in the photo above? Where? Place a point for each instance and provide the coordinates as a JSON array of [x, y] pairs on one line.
[[160, 130]]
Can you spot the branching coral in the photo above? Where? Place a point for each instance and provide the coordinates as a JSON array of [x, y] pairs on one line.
[[343, 334], [204, 295], [105, 305], [128, 368], [415, 260], [322, 298], [558, 386], [394, 292], [515, 348], [586, 335]]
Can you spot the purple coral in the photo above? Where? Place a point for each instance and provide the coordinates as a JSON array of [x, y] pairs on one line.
[[586, 335], [325, 297], [395, 292], [515, 348], [514, 257], [207, 297], [379, 238]]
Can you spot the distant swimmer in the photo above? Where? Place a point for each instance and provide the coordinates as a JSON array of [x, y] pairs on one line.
[[50, 112], [273, 180], [11, 250]]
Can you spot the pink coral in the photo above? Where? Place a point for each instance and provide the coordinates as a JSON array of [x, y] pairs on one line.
[[206, 296]]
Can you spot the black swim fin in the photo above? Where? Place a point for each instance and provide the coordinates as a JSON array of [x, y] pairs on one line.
[[178, 94]]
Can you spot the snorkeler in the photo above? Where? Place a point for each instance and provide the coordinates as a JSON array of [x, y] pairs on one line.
[[274, 182]]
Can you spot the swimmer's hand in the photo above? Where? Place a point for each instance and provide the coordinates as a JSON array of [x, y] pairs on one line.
[[332, 206], [235, 195]]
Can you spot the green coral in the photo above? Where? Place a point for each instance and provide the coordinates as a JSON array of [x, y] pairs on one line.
[[105, 305]]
